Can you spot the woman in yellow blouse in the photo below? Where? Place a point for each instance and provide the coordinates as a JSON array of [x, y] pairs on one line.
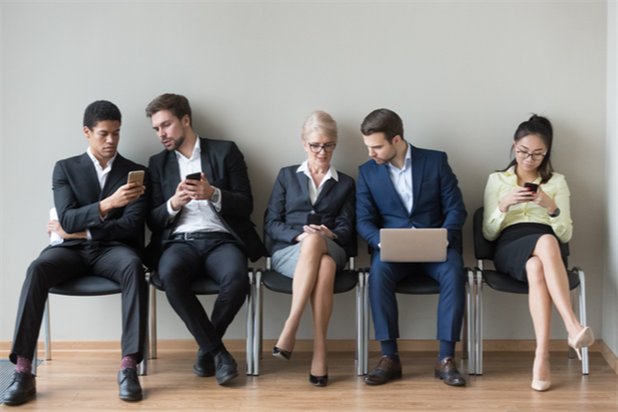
[[530, 224]]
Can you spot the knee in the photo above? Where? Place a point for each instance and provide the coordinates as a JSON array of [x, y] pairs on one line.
[[453, 277], [328, 268], [380, 274], [548, 244], [313, 243], [236, 283], [534, 271], [39, 271]]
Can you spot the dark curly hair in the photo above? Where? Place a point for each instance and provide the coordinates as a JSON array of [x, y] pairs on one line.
[[99, 111]]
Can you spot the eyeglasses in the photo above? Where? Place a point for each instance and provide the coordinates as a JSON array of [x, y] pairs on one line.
[[525, 155], [317, 148]]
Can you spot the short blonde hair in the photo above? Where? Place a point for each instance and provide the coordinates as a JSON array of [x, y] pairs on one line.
[[321, 122]]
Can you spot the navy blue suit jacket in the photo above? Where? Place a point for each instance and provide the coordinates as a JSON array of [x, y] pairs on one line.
[[77, 194], [437, 199], [224, 167], [289, 205]]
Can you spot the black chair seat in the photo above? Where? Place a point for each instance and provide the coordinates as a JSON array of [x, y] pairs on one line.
[[505, 283], [344, 281], [200, 286], [418, 285], [86, 286]]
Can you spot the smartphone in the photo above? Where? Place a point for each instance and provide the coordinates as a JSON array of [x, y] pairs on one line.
[[532, 186], [194, 176], [136, 176], [314, 219]]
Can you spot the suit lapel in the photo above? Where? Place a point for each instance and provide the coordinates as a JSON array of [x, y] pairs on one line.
[[171, 173], [206, 162], [303, 181], [86, 169], [418, 167], [328, 185], [117, 173], [388, 187]]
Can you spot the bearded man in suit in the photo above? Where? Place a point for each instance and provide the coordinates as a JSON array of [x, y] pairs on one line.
[[199, 214]]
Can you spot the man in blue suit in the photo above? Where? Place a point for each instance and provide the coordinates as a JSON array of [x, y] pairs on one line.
[[407, 187]]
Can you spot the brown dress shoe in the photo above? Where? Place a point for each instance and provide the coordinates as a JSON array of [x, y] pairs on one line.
[[446, 369], [386, 370]]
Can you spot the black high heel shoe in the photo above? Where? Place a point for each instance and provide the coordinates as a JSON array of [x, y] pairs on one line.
[[281, 354], [318, 380]]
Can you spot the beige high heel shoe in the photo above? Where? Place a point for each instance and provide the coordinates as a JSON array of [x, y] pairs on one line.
[[583, 339], [541, 386]]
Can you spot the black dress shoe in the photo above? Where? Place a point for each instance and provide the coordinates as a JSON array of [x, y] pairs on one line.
[[21, 388], [318, 380], [225, 367], [385, 370], [281, 354], [446, 369], [204, 365], [130, 389]]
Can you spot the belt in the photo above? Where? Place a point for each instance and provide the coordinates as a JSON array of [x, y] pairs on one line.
[[202, 235]]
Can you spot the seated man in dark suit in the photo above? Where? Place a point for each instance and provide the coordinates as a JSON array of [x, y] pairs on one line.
[[199, 213], [407, 187], [101, 221]]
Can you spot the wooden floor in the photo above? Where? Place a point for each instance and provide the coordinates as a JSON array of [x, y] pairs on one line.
[[86, 381]]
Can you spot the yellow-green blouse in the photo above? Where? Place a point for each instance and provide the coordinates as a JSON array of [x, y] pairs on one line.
[[501, 183]]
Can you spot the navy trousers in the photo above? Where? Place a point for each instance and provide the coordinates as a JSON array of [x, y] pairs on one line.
[[383, 279]]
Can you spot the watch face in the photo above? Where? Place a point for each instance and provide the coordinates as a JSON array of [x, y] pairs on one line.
[[556, 213]]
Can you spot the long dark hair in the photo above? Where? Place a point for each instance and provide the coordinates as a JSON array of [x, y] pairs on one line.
[[540, 126]]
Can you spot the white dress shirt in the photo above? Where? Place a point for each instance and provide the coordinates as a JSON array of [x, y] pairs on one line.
[[197, 215], [402, 180], [314, 192]]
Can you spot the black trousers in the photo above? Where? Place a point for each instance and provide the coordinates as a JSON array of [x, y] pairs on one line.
[[222, 260], [58, 264]]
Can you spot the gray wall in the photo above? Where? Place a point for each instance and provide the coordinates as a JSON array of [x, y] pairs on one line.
[[610, 297], [461, 75]]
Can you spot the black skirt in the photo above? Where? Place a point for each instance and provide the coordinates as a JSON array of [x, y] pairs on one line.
[[515, 246]]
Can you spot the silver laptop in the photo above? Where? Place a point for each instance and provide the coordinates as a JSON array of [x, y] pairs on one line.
[[413, 245]]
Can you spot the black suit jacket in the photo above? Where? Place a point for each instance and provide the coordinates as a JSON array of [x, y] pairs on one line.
[[224, 167], [77, 194], [289, 205]]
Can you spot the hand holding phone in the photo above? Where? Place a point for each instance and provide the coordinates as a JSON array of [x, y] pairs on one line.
[[136, 176], [193, 176], [532, 186], [314, 219]]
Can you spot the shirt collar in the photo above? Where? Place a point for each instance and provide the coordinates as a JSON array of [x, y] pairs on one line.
[[407, 163], [332, 172], [510, 172], [197, 150], [96, 161]]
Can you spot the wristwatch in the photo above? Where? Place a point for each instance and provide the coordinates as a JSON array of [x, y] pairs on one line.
[[555, 214], [215, 195]]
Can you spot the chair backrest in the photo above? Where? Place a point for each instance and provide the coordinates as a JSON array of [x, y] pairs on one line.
[[483, 248]]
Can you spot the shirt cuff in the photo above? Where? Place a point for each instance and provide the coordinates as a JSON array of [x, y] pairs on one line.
[[88, 235], [217, 195], [171, 212]]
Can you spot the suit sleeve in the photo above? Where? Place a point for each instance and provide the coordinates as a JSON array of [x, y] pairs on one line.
[[367, 214], [237, 201], [274, 220], [72, 218], [344, 223], [453, 207], [128, 223], [158, 217]]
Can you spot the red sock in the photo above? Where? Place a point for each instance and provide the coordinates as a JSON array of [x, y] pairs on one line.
[[23, 365], [129, 361]]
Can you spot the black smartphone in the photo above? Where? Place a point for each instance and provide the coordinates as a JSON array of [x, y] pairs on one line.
[[193, 176], [532, 186], [314, 219]]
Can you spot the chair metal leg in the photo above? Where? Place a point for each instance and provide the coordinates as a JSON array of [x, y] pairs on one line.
[[470, 321], [257, 331], [479, 322], [366, 316], [47, 321], [153, 322], [582, 315], [359, 325], [250, 321]]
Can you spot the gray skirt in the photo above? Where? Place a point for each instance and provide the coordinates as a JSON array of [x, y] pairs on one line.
[[285, 260]]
